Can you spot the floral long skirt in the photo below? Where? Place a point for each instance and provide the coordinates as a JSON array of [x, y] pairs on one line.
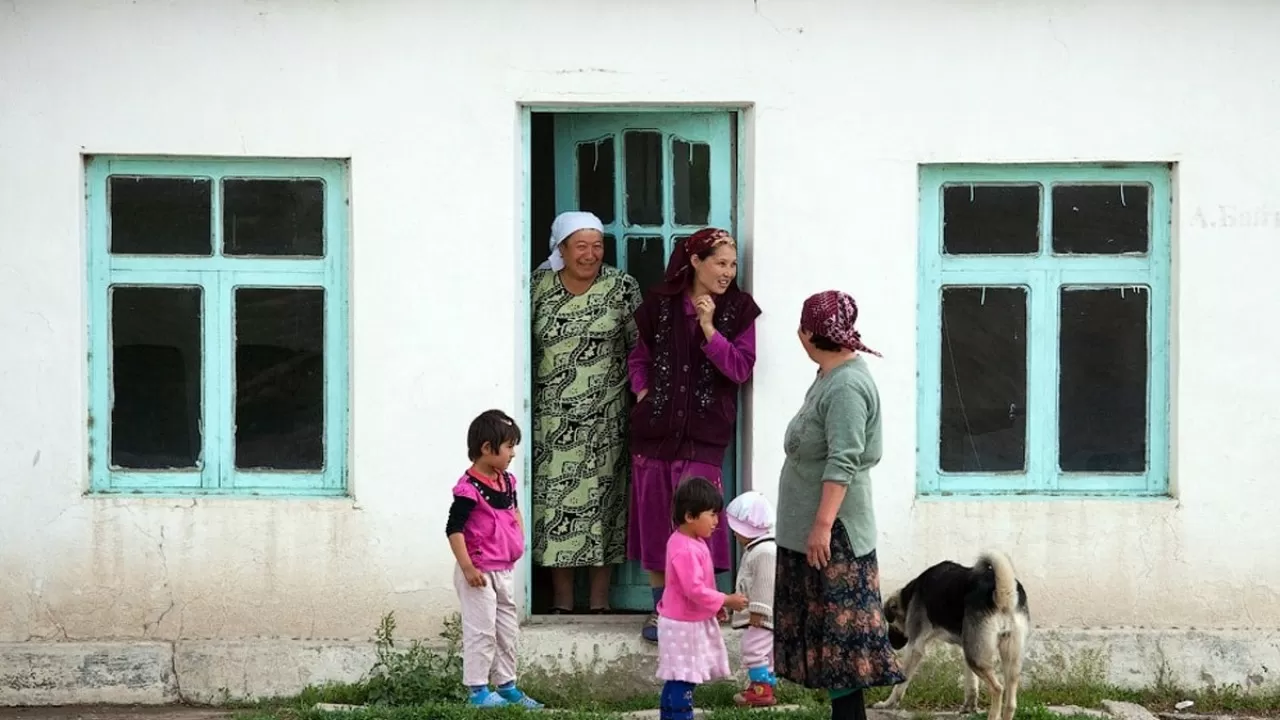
[[829, 630]]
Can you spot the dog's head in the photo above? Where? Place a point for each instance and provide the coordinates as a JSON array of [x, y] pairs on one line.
[[896, 616]]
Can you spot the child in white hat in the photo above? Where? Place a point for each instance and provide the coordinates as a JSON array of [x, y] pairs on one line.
[[751, 517]]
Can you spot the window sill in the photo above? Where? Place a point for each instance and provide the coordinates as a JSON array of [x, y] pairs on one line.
[[1038, 496], [335, 497]]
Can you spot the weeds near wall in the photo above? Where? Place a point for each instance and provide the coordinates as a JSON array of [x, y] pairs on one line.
[[416, 674]]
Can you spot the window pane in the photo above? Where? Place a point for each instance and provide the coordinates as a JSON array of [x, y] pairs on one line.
[[611, 250], [160, 216], [991, 219], [1102, 391], [155, 377], [644, 177], [279, 378], [273, 217], [596, 178], [1100, 219], [691, 179], [983, 423], [646, 259]]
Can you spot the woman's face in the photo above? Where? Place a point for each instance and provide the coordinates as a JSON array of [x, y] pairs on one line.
[[583, 252], [714, 274]]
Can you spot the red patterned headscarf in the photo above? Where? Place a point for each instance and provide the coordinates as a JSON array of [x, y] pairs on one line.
[[680, 266], [833, 314]]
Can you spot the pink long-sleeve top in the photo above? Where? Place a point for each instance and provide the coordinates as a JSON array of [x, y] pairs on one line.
[[691, 593], [734, 360]]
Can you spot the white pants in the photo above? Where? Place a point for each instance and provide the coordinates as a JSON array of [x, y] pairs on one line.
[[489, 628], [757, 648]]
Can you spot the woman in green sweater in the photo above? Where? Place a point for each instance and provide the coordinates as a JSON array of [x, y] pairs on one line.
[[829, 630]]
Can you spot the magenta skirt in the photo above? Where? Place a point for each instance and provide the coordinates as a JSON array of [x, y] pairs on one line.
[[653, 483]]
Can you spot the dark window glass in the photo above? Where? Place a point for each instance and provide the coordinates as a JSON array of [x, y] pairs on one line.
[[280, 380], [1102, 391], [1101, 219], [611, 250], [691, 182], [644, 177], [155, 377], [983, 424], [596, 179], [273, 217], [160, 216], [646, 259], [991, 219]]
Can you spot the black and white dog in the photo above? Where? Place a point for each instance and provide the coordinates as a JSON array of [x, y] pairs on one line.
[[983, 609]]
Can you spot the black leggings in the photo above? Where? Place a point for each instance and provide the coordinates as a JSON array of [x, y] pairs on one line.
[[849, 706]]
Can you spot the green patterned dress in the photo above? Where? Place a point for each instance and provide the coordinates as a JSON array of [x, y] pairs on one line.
[[580, 406]]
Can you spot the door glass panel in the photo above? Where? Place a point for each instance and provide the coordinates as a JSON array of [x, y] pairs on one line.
[[1102, 391], [273, 217], [983, 423], [611, 250], [155, 377], [279, 395], [161, 216], [691, 181], [1101, 219], [646, 259], [596, 178], [991, 219], [644, 177]]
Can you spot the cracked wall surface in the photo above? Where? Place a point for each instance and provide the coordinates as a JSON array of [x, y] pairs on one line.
[[842, 112]]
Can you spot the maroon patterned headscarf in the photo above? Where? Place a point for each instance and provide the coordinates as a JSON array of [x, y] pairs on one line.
[[680, 267], [833, 314]]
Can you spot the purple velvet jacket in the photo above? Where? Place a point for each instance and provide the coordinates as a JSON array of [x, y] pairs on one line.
[[692, 406]]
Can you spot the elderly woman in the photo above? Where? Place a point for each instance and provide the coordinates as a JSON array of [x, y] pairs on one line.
[[696, 346], [829, 631], [583, 328]]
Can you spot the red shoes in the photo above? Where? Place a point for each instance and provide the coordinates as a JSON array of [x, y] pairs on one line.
[[757, 694]]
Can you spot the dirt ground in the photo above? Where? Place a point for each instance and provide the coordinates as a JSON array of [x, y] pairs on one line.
[[113, 712]]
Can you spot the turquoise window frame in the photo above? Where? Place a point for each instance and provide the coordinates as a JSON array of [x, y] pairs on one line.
[[218, 276], [1043, 275]]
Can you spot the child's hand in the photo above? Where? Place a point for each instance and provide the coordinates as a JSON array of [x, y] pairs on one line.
[[474, 577], [756, 620], [736, 601], [722, 615]]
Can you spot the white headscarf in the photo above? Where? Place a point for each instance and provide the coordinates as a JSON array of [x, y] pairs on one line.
[[566, 224], [750, 515]]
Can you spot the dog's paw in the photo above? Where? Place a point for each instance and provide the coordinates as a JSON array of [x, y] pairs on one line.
[[968, 708], [883, 705]]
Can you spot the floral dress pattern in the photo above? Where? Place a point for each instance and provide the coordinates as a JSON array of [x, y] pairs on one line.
[[580, 410], [828, 625]]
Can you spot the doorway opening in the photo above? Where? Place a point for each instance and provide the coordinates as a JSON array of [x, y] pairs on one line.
[[653, 178]]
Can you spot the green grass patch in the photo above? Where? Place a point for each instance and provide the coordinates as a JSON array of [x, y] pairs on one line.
[[414, 682]]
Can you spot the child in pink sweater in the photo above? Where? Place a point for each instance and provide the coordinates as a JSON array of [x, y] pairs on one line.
[[690, 648]]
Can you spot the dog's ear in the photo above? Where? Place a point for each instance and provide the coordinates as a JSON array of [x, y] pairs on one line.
[[890, 609]]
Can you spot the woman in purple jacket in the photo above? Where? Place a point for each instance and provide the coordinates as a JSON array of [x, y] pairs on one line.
[[696, 346]]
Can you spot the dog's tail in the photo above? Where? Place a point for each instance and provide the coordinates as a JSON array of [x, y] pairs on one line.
[[1006, 592]]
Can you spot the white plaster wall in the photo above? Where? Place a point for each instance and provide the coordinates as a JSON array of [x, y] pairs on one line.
[[847, 98]]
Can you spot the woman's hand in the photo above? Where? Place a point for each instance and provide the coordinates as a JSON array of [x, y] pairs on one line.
[[818, 548], [474, 577], [641, 395], [706, 308]]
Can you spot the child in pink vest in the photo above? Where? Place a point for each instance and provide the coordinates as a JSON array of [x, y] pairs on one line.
[[486, 535]]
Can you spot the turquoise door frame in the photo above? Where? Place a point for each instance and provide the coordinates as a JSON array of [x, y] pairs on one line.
[[701, 138]]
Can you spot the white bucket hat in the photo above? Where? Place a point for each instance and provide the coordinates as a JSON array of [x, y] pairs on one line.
[[751, 515]]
